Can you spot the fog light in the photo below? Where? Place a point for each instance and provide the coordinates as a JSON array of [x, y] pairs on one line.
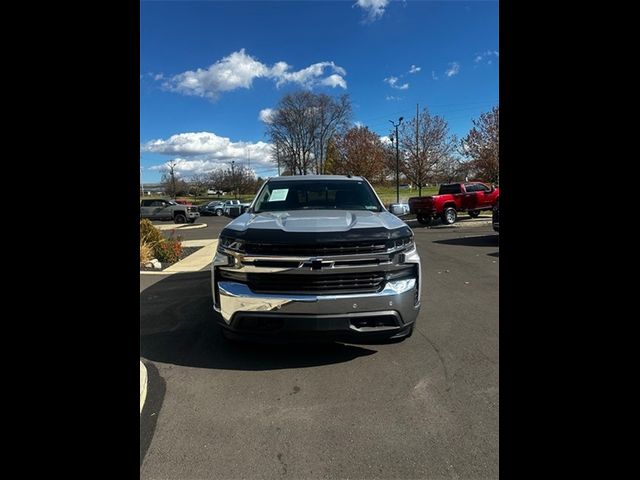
[[401, 286]]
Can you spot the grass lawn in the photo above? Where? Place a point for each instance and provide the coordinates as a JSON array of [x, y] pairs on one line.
[[386, 194]]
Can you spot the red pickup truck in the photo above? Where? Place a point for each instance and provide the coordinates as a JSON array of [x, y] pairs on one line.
[[470, 197]]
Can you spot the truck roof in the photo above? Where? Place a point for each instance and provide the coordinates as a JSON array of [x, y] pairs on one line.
[[290, 178]]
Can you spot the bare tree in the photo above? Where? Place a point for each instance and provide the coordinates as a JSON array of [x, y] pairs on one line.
[[301, 127], [293, 128], [171, 182], [199, 183], [238, 179], [482, 146], [333, 116], [425, 142]]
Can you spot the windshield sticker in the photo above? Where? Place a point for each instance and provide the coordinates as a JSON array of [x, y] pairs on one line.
[[279, 195]]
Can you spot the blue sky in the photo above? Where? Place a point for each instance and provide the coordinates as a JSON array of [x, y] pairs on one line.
[[208, 69]]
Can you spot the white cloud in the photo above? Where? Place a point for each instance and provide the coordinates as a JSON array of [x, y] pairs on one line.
[[201, 152], [386, 140], [454, 69], [310, 76], [414, 69], [266, 115], [486, 56], [391, 97], [373, 8], [392, 81], [358, 124], [334, 81], [238, 70], [433, 75]]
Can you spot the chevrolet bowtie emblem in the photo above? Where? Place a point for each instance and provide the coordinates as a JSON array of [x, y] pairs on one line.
[[319, 264]]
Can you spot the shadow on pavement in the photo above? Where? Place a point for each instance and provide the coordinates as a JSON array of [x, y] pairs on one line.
[[475, 241], [178, 326], [156, 388], [494, 254]]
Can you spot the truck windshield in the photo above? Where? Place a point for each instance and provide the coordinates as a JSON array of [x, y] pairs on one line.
[[284, 195]]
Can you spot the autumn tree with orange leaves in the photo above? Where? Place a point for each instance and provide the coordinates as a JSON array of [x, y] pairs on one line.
[[358, 152], [482, 147]]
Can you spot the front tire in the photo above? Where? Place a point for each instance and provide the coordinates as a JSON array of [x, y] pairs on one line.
[[218, 212], [474, 213], [180, 218], [449, 216]]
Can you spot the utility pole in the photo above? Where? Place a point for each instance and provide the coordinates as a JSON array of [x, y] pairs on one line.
[[172, 167], [418, 162], [233, 177], [397, 159], [141, 184]]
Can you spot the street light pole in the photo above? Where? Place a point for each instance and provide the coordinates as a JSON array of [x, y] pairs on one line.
[[233, 177], [397, 159]]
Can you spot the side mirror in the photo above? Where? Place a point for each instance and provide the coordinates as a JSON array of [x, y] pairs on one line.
[[396, 209]]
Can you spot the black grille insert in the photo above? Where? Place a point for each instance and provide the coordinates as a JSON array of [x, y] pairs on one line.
[[314, 283], [342, 248]]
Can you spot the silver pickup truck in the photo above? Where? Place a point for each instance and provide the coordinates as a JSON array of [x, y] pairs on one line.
[[316, 255], [159, 209]]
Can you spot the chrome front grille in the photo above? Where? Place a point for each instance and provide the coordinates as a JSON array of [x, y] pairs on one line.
[[317, 283]]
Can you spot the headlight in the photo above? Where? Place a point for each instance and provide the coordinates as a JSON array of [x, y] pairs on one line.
[[405, 243], [231, 244]]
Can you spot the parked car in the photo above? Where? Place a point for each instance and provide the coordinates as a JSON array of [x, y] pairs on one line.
[[496, 216], [318, 255], [212, 208], [236, 209], [160, 209], [470, 197]]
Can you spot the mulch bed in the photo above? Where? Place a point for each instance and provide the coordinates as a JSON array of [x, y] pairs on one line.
[[186, 251]]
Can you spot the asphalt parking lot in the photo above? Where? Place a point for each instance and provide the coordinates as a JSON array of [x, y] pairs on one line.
[[423, 408]]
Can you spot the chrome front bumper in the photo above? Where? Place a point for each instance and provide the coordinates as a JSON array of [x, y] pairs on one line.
[[398, 299]]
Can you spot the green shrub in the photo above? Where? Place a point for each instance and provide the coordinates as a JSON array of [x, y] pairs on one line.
[[149, 234], [168, 251]]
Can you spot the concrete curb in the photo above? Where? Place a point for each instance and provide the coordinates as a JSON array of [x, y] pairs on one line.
[[143, 385], [181, 226], [194, 262]]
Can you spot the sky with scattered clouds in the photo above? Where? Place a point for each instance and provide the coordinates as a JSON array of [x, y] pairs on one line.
[[212, 72]]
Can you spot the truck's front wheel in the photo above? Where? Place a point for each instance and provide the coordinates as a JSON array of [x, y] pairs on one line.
[[425, 219], [180, 218], [449, 216]]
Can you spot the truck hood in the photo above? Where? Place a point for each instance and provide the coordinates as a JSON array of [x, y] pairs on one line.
[[316, 221]]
